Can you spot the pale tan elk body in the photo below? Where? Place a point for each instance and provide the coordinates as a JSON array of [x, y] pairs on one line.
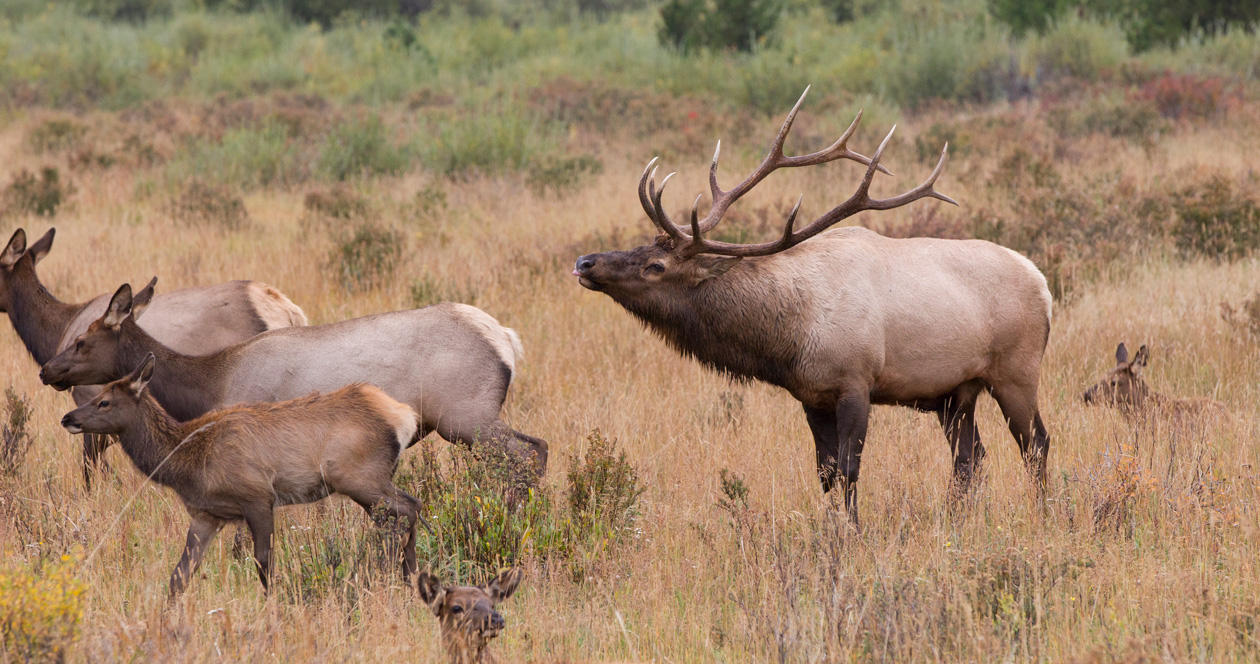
[[468, 615], [846, 318], [241, 462], [1124, 388], [452, 363], [194, 321]]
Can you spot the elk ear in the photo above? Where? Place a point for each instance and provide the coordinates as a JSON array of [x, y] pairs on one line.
[[119, 307], [14, 250], [139, 379], [1122, 354], [42, 246], [1139, 361], [504, 585], [431, 591], [141, 300], [714, 266]]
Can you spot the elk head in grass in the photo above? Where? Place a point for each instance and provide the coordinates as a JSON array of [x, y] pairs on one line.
[[844, 318], [468, 615], [1124, 388]]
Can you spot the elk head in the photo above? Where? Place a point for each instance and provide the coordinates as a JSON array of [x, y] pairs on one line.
[[682, 258], [115, 407], [91, 359], [1123, 386], [13, 252], [467, 614]]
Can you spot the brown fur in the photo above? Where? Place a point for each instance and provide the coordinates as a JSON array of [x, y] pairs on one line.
[[195, 320], [241, 462], [433, 359], [1125, 389], [467, 615]]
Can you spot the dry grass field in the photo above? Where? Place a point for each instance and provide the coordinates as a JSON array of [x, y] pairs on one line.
[[1145, 549]]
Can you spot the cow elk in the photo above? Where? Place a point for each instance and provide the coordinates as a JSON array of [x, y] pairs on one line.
[[194, 321], [845, 318], [467, 615], [452, 363], [241, 462], [1124, 388]]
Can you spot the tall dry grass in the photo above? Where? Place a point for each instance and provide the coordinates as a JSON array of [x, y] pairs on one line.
[[1144, 550]]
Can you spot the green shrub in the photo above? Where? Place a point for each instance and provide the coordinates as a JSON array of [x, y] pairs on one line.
[[1214, 220], [133, 11], [361, 148], [562, 174], [207, 204], [1151, 23], [245, 158], [1025, 15], [742, 25], [1079, 48], [493, 141], [367, 256], [15, 439], [604, 490], [41, 194], [339, 202], [55, 135]]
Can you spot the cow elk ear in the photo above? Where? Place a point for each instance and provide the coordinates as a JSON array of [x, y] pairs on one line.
[[139, 379], [1122, 354], [431, 591], [42, 246], [714, 266], [14, 249], [505, 584], [1139, 361], [141, 300], [119, 307]]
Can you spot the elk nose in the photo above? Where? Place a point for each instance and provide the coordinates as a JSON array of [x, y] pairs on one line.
[[66, 421], [496, 621], [584, 263]]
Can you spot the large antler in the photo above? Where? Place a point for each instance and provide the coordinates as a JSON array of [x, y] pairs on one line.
[[695, 243]]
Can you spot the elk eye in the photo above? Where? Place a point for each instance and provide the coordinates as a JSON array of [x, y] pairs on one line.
[[103, 404], [457, 609], [78, 345], [654, 268]]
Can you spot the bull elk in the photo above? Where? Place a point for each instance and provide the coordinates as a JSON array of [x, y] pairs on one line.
[[452, 363], [194, 321], [241, 462], [468, 615], [845, 318], [1124, 388]]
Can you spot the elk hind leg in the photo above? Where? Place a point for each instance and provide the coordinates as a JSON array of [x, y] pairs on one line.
[[957, 415], [402, 507], [261, 522], [1019, 408]]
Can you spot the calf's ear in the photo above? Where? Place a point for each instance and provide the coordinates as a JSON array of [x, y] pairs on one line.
[[504, 585], [431, 591]]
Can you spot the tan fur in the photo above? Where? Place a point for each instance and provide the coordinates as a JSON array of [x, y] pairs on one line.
[[274, 308], [242, 461], [506, 342]]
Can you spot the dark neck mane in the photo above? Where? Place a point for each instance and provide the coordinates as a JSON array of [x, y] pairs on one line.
[[153, 443], [39, 318], [715, 324], [186, 386]]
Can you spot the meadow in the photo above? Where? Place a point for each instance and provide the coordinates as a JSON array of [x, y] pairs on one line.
[[378, 166]]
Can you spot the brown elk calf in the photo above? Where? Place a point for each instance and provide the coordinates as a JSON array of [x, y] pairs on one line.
[[243, 461], [1124, 388], [467, 614]]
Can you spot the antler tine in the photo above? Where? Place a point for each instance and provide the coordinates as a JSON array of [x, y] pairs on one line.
[[838, 150], [714, 189], [926, 189], [644, 199], [665, 223], [776, 148], [695, 221]]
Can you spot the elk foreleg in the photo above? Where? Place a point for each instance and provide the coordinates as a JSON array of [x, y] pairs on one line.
[[261, 522], [202, 529], [853, 413]]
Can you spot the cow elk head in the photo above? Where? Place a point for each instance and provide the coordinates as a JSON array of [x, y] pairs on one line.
[[90, 360], [13, 252], [1123, 386], [683, 258], [467, 615]]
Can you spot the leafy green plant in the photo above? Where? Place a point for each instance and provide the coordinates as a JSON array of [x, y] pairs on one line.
[[361, 148], [742, 25], [1215, 220], [207, 204], [562, 174], [41, 194], [367, 256], [15, 439], [55, 135]]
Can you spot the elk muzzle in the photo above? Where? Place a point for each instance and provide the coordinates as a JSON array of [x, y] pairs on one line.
[[71, 424], [583, 271], [53, 378]]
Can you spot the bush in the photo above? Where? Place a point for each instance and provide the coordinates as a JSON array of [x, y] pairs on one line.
[[15, 440], [742, 25], [1151, 23], [133, 11], [245, 158], [604, 490], [562, 174], [1025, 15], [1184, 96], [1214, 220], [55, 135], [367, 257], [206, 204], [338, 202], [30, 194], [360, 149], [40, 612], [1079, 48], [486, 142]]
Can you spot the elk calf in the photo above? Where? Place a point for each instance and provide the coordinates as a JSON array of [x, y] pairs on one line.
[[467, 614], [1124, 388], [241, 462]]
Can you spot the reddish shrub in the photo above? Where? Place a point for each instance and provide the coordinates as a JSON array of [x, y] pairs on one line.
[[1185, 95]]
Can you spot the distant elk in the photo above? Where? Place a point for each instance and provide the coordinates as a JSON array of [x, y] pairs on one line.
[[468, 615], [241, 462], [193, 321], [1124, 388], [848, 319], [452, 363]]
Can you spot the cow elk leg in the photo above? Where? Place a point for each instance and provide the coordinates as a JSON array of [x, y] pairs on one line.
[[94, 446]]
